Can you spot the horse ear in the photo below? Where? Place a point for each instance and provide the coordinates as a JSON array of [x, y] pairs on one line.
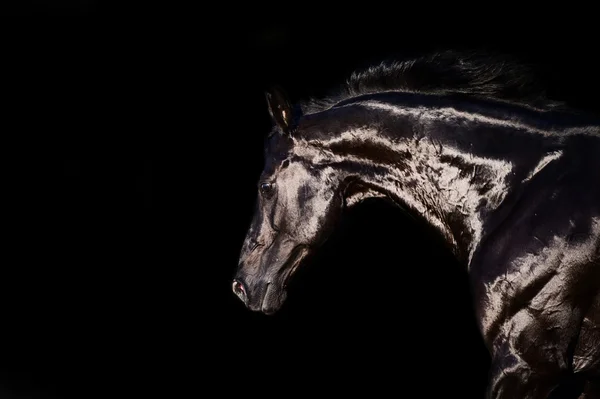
[[280, 108]]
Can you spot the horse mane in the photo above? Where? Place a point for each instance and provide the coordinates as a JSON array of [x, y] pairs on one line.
[[488, 76]]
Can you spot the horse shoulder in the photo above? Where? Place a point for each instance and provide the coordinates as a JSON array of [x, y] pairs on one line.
[[545, 249]]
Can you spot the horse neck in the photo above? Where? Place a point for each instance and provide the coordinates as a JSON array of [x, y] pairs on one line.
[[452, 191], [450, 188]]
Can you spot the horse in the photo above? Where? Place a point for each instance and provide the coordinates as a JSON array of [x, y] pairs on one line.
[[470, 145]]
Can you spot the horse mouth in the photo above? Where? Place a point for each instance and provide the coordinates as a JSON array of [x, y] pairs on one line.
[[298, 255], [266, 305], [275, 294]]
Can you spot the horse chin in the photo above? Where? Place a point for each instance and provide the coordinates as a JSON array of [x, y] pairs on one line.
[[273, 299], [276, 291]]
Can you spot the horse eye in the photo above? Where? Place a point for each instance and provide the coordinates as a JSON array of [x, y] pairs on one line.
[[266, 188]]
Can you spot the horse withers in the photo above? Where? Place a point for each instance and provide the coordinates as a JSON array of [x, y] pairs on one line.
[[509, 179]]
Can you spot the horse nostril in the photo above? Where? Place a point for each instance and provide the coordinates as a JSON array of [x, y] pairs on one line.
[[239, 290]]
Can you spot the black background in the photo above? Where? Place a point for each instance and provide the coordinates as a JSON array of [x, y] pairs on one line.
[[132, 144]]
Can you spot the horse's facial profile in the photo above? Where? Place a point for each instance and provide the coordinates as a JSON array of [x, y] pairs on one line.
[[296, 209]]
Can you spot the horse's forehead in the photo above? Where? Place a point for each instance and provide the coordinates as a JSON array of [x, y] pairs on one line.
[[278, 143], [277, 148]]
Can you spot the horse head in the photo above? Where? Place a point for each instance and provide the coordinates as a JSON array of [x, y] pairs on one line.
[[298, 204]]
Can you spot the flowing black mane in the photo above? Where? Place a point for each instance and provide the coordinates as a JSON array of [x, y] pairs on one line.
[[495, 77]]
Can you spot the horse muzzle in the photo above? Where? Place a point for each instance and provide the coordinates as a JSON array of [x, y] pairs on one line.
[[259, 296], [265, 291]]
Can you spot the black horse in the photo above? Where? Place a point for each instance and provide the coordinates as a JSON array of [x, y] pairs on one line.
[[472, 147]]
